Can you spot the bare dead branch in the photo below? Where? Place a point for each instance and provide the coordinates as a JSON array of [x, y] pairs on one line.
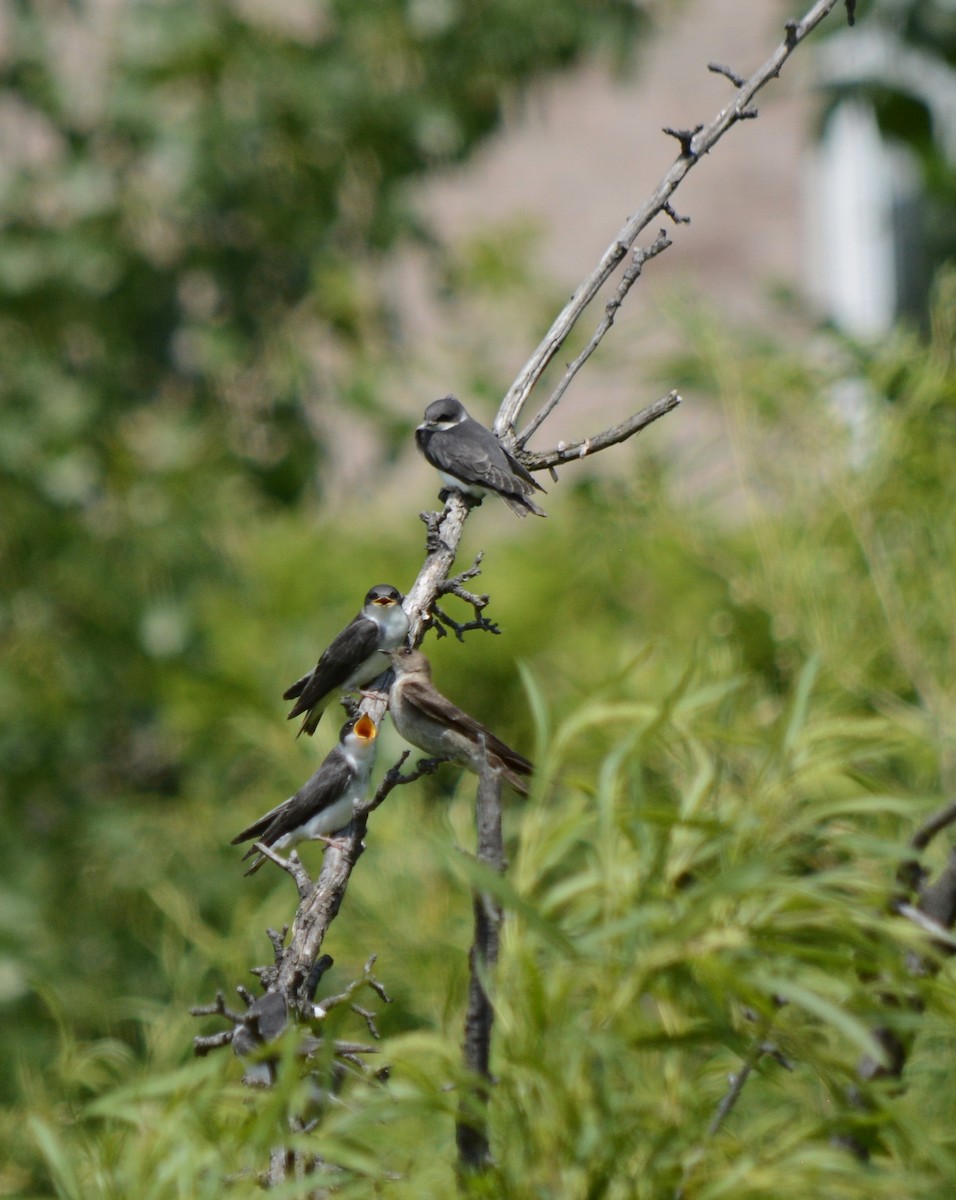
[[737, 1082], [217, 1009], [368, 1017], [938, 899], [686, 139], [444, 535], [609, 437], [474, 1151], [719, 69], [203, 1043], [640, 256], [703, 141], [939, 933], [292, 865], [459, 628], [456, 587], [936, 824], [674, 216], [346, 997]]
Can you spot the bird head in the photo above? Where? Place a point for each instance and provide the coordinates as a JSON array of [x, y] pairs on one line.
[[407, 661], [383, 595], [444, 414]]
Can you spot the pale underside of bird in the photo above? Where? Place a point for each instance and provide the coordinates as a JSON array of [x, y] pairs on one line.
[[470, 458], [352, 659], [325, 803], [430, 721]]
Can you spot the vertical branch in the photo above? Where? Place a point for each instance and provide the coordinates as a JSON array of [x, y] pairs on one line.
[[471, 1132]]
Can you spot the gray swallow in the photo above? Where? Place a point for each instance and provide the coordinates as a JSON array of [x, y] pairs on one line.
[[323, 804], [352, 659], [470, 459], [427, 719]]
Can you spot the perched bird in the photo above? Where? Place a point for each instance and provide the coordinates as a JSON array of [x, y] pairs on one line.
[[470, 459], [427, 719], [352, 659], [324, 803]]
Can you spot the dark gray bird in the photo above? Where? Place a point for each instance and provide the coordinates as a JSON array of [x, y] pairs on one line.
[[427, 719], [470, 459], [323, 804], [352, 659]]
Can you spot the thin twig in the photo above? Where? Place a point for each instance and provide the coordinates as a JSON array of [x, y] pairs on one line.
[[479, 602], [292, 864], [719, 69], [629, 278], [936, 824], [609, 437], [936, 931]]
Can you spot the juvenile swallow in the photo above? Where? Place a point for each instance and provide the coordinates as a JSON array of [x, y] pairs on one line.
[[323, 804], [427, 719], [352, 659], [470, 459]]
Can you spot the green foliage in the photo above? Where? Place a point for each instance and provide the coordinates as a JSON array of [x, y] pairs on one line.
[[741, 702]]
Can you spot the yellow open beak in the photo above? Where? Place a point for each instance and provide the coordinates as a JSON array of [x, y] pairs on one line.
[[365, 727]]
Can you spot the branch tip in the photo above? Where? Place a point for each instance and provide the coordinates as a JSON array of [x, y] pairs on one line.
[[720, 69]]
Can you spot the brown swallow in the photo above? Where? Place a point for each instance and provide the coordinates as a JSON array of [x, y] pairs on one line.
[[427, 719]]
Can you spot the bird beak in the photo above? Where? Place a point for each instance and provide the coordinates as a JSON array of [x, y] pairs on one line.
[[365, 727], [384, 601]]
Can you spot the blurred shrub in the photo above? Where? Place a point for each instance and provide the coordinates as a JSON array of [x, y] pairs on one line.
[[749, 706]]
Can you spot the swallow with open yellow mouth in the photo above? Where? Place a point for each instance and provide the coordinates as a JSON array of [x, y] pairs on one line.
[[324, 804], [429, 720], [352, 659], [470, 459]]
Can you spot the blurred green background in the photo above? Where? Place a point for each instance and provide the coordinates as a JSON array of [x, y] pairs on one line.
[[740, 689]]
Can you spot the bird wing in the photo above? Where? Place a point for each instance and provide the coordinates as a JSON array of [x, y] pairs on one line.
[[433, 704], [486, 463], [522, 471], [294, 690], [353, 645], [323, 789]]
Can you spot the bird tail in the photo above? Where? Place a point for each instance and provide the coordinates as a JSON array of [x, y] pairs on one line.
[[510, 763], [513, 779], [294, 691], [522, 505], [311, 722], [260, 859]]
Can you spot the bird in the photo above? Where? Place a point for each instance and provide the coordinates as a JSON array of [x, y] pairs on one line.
[[428, 720], [352, 659], [324, 803], [470, 458]]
